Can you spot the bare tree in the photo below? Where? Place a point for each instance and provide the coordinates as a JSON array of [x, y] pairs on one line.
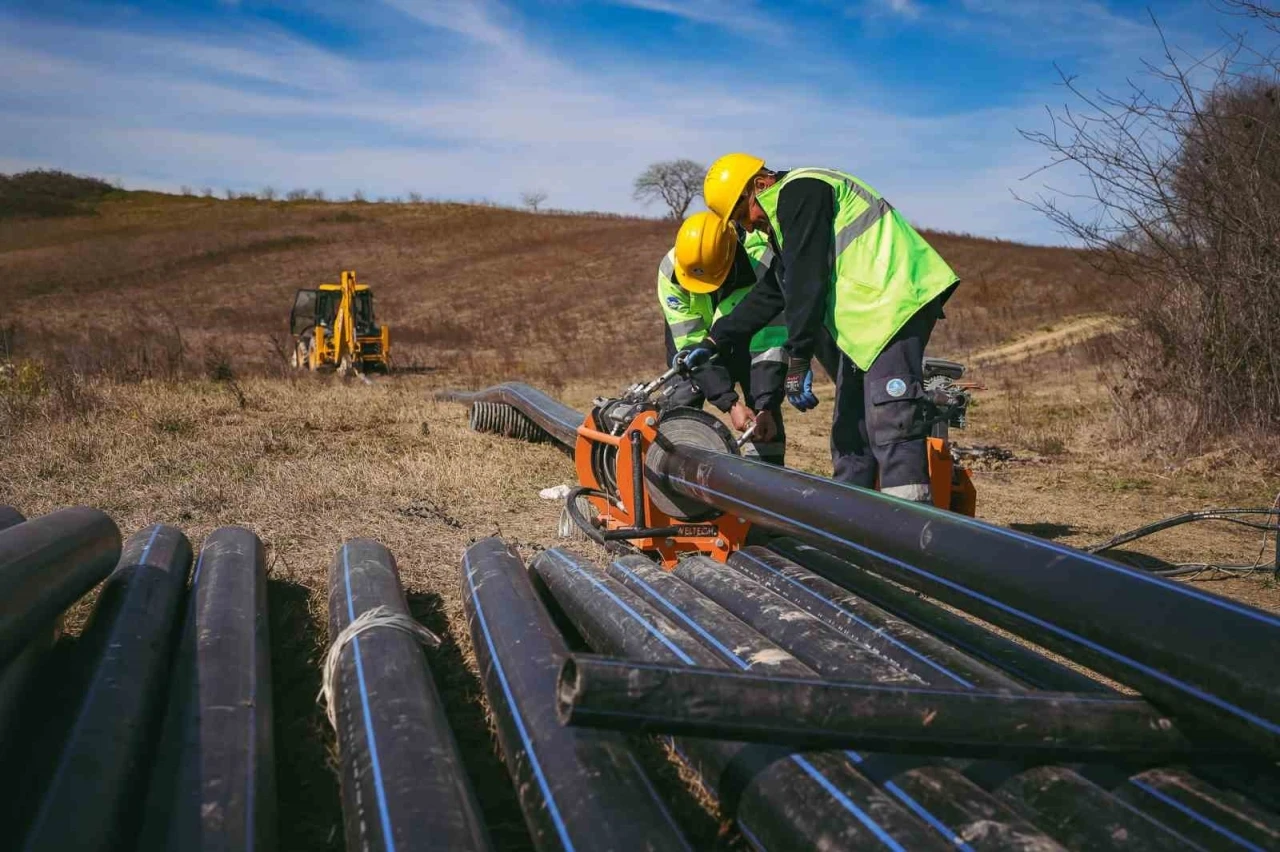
[[185, 191], [674, 182], [317, 194], [1183, 203], [268, 193], [415, 197], [207, 192], [358, 196], [296, 195], [533, 199]]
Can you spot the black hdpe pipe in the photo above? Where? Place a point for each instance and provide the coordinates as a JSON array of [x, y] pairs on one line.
[[16, 678], [92, 802], [213, 785], [1057, 795], [950, 803], [911, 649], [46, 564], [578, 789], [954, 630], [807, 713], [404, 786], [556, 420], [780, 801], [818, 646], [952, 800], [1205, 657]]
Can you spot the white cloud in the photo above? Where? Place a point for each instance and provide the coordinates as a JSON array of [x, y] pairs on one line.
[[732, 15]]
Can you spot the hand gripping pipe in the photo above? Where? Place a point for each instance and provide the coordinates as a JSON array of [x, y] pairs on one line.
[[92, 801], [213, 785], [1198, 656], [809, 713], [579, 790], [46, 564], [403, 783], [780, 801]]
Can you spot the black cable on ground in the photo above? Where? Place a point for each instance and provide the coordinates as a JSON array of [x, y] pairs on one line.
[[1193, 570]]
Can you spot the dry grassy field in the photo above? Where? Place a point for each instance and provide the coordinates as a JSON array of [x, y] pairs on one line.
[[160, 395]]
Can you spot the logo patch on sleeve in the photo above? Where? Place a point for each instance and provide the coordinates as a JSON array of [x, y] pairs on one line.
[[674, 303], [895, 388]]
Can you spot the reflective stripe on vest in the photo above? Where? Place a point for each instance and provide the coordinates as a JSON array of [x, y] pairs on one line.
[[776, 355], [882, 271], [688, 315]]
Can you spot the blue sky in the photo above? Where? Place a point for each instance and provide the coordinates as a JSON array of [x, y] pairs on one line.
[[487, 98]]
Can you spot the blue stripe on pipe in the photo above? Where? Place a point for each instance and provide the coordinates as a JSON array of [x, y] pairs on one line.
[[534, 763], [918, 809], [751, 838], [1252, 718], [383, 813], [878, 631], [1097, 561], [150, 541], [675, 649], [848, 804], [1198, 817], [834, 791], [685, 619]]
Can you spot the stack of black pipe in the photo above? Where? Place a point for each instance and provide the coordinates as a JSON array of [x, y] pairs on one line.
[[143, 731]]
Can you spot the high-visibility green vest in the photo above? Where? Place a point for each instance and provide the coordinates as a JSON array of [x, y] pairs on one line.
[[767, 343], [884, 271], [688, 315]]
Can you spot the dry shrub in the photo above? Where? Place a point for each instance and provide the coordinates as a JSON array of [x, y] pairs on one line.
[[1185, 175]]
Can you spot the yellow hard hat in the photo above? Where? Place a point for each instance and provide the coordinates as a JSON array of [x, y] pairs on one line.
[[704, 252], [725, 181]]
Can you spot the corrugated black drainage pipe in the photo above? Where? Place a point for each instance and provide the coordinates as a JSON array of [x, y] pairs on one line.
[[92, 801], [46, 564], [579, 790], [403, 783], [213, 786]]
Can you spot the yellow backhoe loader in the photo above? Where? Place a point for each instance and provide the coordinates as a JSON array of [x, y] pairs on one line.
[[334, 328]]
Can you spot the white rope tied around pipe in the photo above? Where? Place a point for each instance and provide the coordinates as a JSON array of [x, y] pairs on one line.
[[379, 616]]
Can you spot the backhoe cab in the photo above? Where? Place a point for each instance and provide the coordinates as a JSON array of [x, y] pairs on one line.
[[334, 328]]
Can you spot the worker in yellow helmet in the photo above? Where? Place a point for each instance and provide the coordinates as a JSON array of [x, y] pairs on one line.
[[852, 265], [704, 276]]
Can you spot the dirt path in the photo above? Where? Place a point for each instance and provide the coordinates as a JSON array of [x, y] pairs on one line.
[[1067, 333]]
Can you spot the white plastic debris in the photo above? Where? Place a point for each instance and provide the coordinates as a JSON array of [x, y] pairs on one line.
[[557, 492]]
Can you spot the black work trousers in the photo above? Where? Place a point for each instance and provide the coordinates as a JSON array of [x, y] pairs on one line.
[[879, 426]]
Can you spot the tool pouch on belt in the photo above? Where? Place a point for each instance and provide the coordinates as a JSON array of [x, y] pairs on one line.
[[896, 410]]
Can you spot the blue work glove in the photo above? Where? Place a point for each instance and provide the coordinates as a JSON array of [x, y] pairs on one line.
[[695, 356], [799, 386]]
